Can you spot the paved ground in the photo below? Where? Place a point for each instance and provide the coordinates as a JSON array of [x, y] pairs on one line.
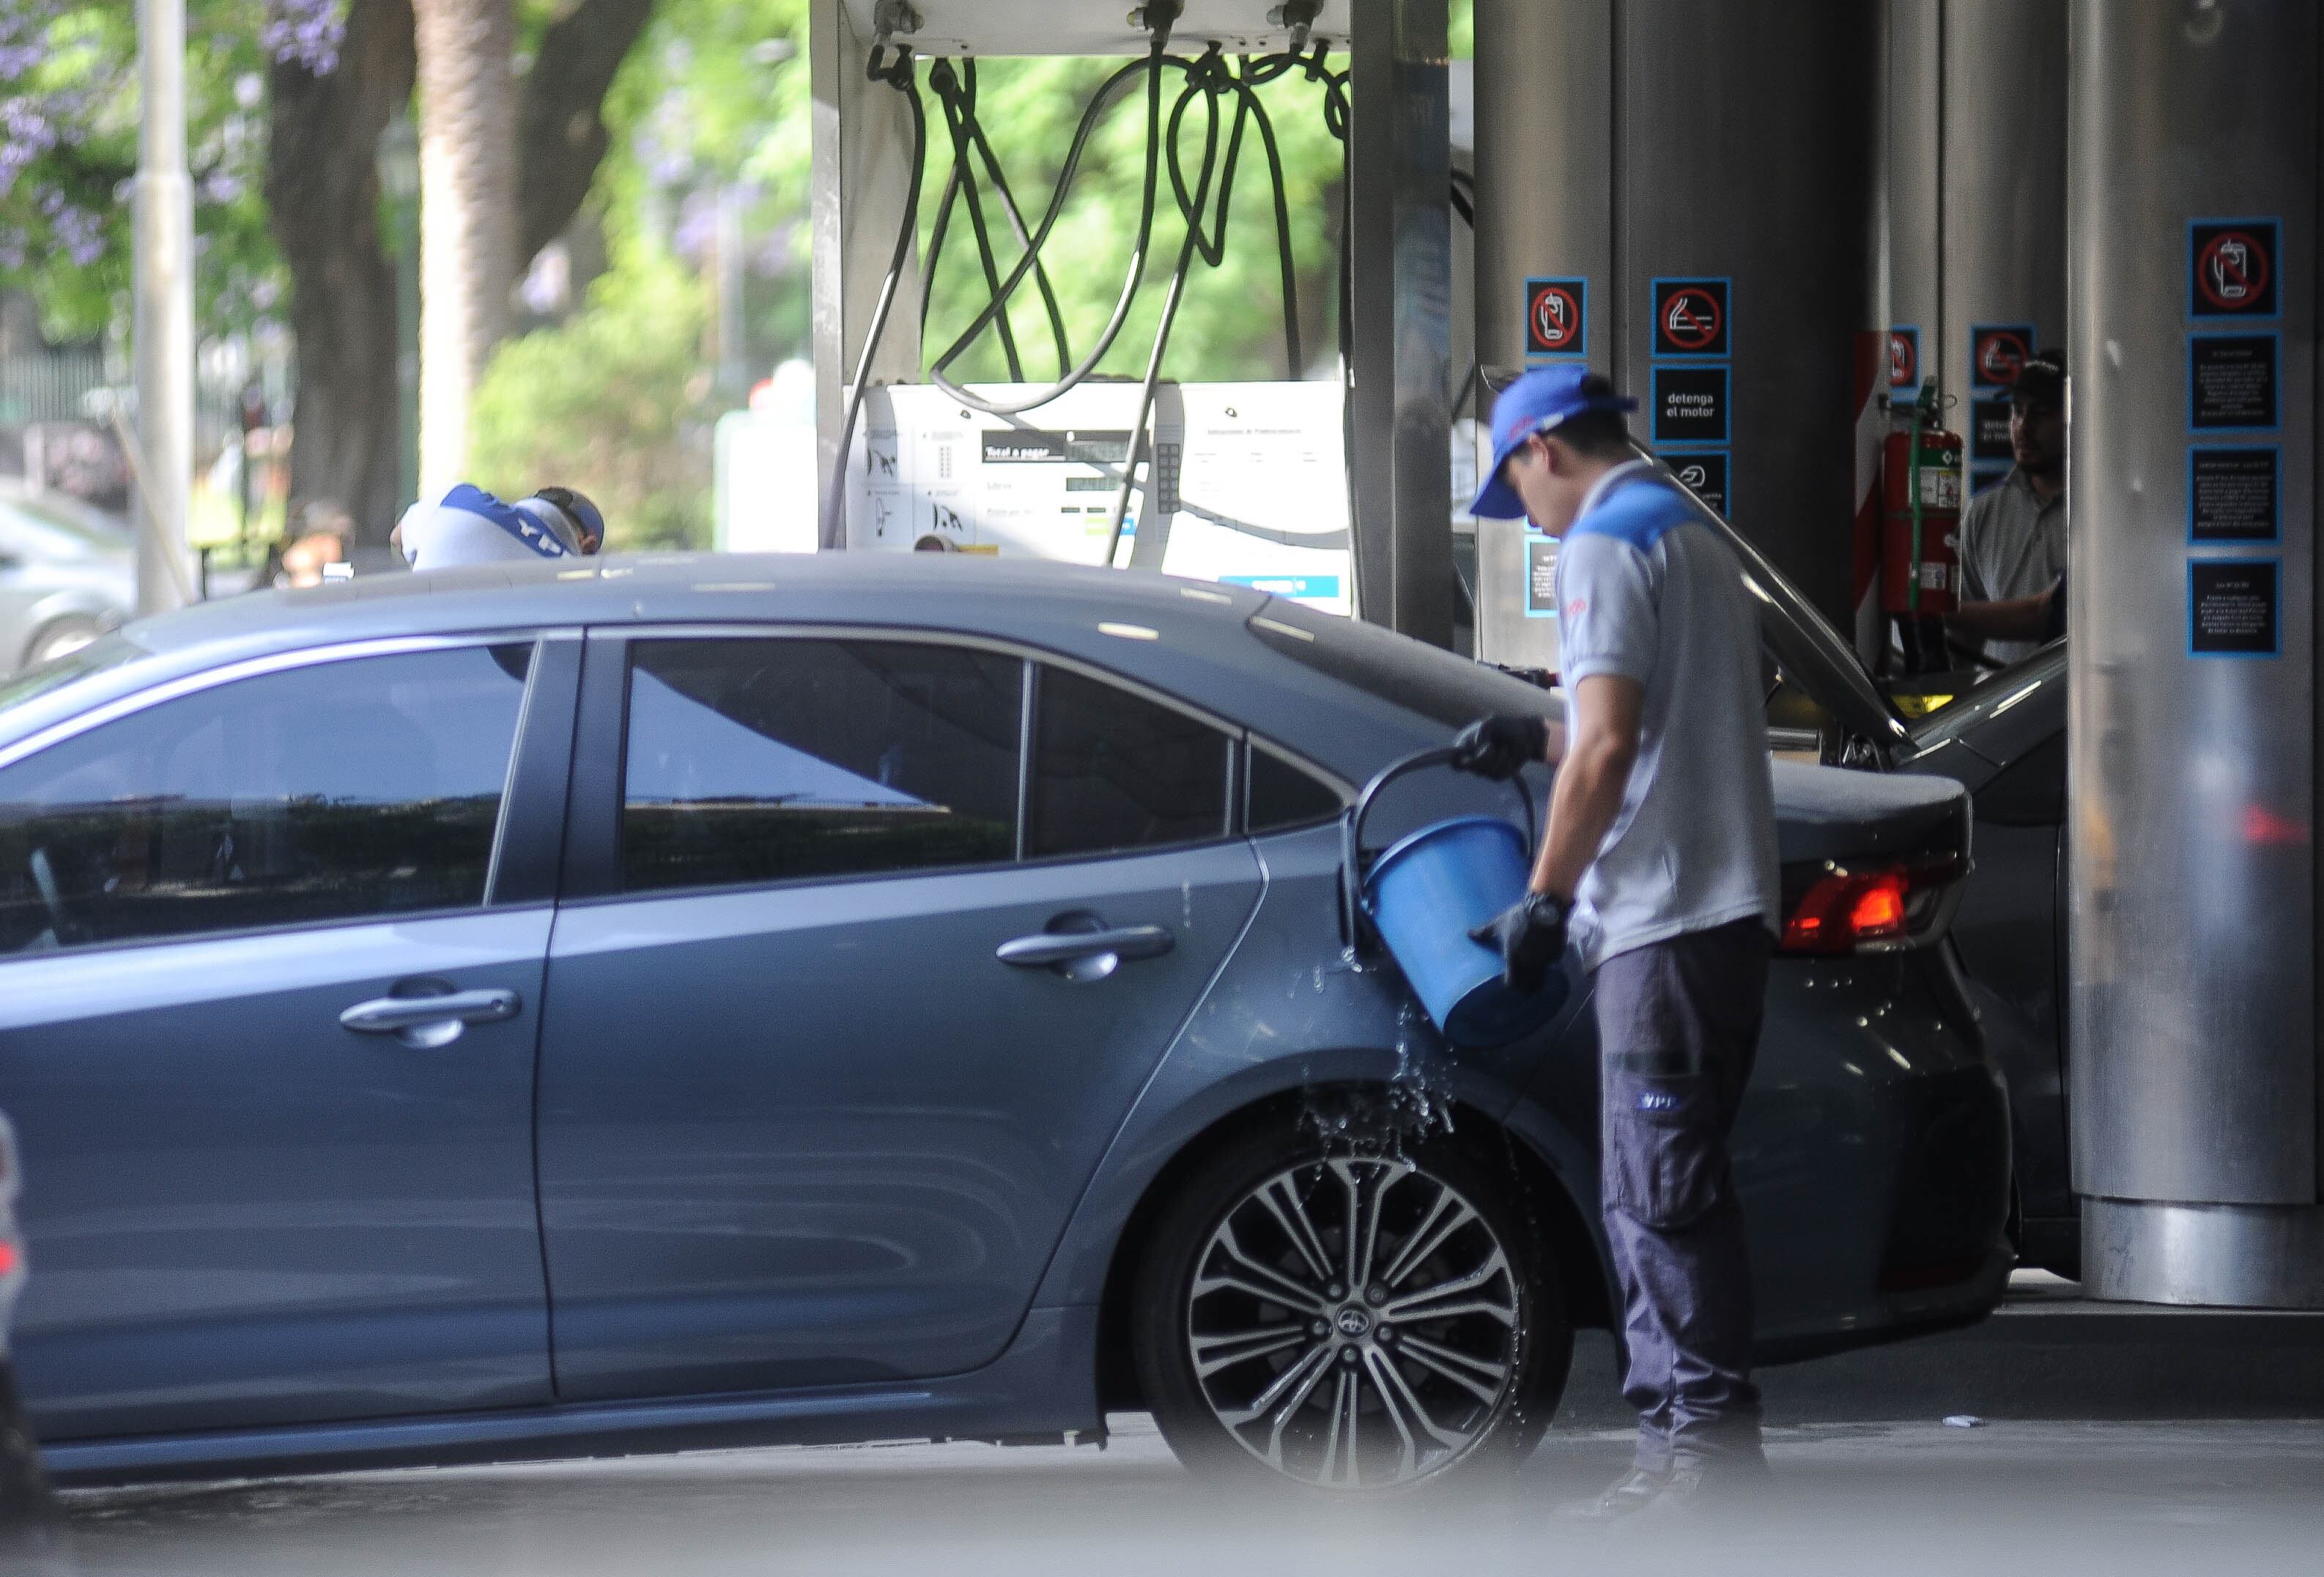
[[2241, 1498]]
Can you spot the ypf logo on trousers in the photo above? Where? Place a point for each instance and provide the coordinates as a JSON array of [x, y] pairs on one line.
[[1689, 317], [1998, 353], [1557, 319]]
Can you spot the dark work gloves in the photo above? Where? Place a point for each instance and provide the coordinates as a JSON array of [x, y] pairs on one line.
[[1531, 935], [1501, 746]]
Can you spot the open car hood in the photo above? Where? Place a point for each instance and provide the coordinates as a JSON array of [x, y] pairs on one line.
[[1803, 641]]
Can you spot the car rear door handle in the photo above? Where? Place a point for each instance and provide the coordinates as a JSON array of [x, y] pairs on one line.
[[395, 1014], [1054, 947]]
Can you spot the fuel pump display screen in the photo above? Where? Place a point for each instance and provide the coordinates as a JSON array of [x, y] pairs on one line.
[[1241, 483]]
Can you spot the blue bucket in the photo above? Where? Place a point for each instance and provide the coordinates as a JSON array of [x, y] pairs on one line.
[[1425, 896]]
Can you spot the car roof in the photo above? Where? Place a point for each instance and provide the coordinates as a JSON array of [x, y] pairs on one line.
[[652, 587], [1187, 638]]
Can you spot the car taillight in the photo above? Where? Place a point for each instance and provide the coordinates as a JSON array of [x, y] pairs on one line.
[[1844, 908]]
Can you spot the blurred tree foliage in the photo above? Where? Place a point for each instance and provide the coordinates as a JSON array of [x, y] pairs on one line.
[[714, 100], [613, 402], [69, 147]]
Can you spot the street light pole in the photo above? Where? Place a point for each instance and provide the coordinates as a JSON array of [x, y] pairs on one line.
[[398, 159], [162, 220]]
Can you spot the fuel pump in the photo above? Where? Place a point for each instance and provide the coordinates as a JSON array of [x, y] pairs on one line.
[[1244, 483], [1920, 537]]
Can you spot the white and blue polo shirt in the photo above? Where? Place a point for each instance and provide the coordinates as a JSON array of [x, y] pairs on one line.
[[470, 526], [1646, 591]]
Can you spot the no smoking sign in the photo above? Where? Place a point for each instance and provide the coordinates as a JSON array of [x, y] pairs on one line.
[[1557, 321], [1689, 317], [2233, 268], [1998, 353]]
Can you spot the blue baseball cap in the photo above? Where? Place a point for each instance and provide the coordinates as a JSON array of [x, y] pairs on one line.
[[1538, 401]]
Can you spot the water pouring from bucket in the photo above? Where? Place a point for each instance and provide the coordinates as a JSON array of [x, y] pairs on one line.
[[1425, 895]]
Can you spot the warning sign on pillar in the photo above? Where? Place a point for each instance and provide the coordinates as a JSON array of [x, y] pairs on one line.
[[1904, 357], [2233, 268], [1557, 317], [2234, 607], [1989, 443], [1689, 317], [1706, 474], [1690, 405], [1998, 353]]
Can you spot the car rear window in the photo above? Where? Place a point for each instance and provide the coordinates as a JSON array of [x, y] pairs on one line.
[[1114, 771], [1437, 685]]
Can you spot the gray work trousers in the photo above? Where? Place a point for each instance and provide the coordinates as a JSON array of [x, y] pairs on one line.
[[1678, 1027]]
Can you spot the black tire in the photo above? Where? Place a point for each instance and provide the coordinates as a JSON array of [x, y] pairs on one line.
[[26, 1500], [59, 637], [1243, 1191]]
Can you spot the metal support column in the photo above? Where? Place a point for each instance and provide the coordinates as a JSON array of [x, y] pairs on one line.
[[2193, 161], [1400, 338], [863, 143], [162, 218], [2004, 173], [1718, 161]]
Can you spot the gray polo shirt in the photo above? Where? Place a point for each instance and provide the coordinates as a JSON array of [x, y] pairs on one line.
[[1646, 591], [2012, 545]]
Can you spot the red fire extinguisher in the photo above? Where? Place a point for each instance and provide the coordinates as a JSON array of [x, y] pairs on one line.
[[1919, 537]]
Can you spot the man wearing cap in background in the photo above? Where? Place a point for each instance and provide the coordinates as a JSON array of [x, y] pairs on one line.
[[2013, 535], [470, 526], [1659, 857]]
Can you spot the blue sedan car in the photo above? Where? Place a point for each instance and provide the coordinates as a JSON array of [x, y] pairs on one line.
[[682, 1001]]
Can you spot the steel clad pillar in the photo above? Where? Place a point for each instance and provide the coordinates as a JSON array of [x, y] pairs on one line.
[[1400, 262], [2193, 165], [1685, 194], [862, 156], [1976, 179]]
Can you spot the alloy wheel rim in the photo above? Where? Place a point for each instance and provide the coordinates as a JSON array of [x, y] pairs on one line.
[[1355, 1323]]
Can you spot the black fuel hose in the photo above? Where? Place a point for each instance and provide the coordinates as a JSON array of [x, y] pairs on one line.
[[1152, 66], [1207, 78], [957, 95], [1209, 71]]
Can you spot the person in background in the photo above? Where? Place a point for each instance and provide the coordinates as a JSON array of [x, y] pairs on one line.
[[2013, 537], [469, 526], [322, 538], [568, 511]]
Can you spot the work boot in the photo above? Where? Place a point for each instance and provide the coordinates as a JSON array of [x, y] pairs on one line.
[[1628, 1496], [1713, 1485]]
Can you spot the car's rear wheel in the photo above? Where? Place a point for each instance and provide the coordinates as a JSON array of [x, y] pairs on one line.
[[1352, 1321]]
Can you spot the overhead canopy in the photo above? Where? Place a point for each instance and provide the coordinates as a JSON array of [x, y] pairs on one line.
[[1089, 27]]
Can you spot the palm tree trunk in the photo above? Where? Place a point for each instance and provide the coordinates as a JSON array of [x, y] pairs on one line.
[[469, 215]]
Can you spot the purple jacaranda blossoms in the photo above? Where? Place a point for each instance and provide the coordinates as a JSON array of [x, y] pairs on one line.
[[306, 32], [38, 118]]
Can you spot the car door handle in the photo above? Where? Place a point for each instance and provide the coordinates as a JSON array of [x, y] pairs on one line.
[[1054, 947], [394, 1015]]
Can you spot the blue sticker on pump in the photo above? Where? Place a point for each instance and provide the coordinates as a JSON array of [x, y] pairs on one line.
[[1322, 586]]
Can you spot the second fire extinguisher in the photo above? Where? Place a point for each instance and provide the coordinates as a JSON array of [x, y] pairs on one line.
[[1920, 536]]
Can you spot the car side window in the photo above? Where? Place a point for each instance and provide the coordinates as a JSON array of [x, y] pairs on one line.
[[754, 759], [1114, 771], [2031, 791], [1281, 795], [334, 791]]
